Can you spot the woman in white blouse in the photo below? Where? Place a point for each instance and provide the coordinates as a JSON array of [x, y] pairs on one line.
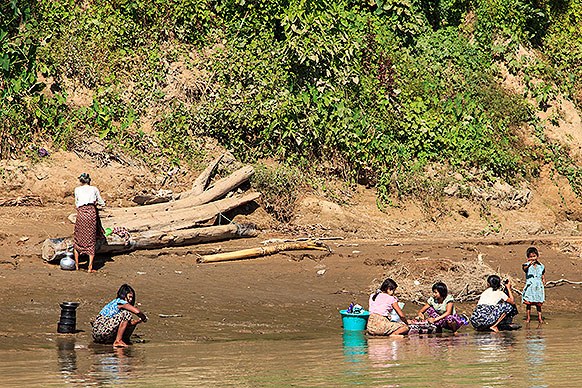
[[87, 224], [496, 306]]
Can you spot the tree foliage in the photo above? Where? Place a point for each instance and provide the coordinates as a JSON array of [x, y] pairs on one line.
[[381, 89]]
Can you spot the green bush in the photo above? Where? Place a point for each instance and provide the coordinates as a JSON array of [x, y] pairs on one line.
[[381, 90]]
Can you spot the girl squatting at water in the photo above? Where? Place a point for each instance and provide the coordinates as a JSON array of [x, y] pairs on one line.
[[494, 306], [114, 324], [381, 305], [440, 309]]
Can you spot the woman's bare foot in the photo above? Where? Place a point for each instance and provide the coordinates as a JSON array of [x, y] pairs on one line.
[[120, 344], [494, 329], [91, 271]]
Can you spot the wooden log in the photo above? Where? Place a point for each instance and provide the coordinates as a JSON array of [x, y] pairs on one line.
[[262, 251], [55, 249], [144, 200], [201, 182], [218, 190], [179, 218]]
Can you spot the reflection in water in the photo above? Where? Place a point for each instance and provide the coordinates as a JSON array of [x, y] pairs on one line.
[[67, 357], [111, 365], [535, 346], [494, 347], [355, 349], [108, 366], [524, 358], [383, 352], [494, 350]]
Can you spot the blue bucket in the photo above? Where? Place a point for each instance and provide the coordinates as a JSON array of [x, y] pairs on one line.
[[354, 322]]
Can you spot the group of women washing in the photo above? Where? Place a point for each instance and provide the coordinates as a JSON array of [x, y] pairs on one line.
[[495, 308]]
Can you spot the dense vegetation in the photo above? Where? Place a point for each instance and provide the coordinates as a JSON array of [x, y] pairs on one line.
[[378, 91]]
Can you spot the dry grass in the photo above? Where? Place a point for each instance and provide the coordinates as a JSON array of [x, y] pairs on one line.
[[464, 280]]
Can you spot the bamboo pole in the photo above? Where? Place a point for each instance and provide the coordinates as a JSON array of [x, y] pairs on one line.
[[262, 251]]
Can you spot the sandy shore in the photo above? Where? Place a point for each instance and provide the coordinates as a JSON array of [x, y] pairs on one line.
[[278, 295]]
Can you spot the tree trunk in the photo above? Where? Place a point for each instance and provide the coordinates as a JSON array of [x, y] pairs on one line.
[[202, 181], [55, 249], [218, 190], [177, 218]]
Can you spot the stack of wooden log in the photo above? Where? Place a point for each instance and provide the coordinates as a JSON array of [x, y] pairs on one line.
[[180, 221]]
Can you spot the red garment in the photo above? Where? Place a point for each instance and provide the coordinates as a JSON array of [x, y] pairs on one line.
[[85, 234]]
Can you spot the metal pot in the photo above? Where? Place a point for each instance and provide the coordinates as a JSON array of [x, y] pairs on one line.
[[68, 262]]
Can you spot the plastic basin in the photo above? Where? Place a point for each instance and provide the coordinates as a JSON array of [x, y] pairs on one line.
[[354, 322]]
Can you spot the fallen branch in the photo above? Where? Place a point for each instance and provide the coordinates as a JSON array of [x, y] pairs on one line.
[[555, 283], [264, 251], [162, 196], [181, 218]]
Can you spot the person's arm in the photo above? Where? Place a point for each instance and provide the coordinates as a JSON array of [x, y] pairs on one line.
[[100, 200], [398, 310], [544, 276], [422, 310], [448, 312], [133, 309], [510, 299], [525, 266]]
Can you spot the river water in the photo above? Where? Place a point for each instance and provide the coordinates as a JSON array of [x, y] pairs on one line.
[[531, 357]]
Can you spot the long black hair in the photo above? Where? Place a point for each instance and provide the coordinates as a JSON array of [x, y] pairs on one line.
[[388, 284], [124, 290], [441, 288], [494, 282]]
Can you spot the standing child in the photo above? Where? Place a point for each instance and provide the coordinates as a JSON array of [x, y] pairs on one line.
[[440, 309], [381, 305], [114, 323], [535, 281]]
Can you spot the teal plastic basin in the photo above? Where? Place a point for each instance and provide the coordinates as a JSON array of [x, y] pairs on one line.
[[354, 322]]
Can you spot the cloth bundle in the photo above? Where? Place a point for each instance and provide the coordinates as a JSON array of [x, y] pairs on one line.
[[420, 327], [122, 232]]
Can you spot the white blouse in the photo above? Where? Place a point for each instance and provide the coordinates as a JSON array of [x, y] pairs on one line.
[[491, 297], [86, 195]]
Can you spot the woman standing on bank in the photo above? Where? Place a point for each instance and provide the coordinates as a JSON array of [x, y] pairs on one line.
[[87, 224]]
